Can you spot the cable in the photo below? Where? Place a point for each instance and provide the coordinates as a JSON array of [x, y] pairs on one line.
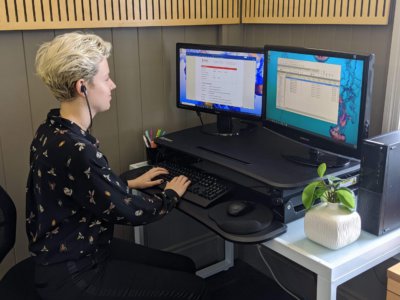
[[379, 278], [273, 275], [90, 111], [199, 115]]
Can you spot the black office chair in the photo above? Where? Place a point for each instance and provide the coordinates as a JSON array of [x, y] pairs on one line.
[[18, 282]]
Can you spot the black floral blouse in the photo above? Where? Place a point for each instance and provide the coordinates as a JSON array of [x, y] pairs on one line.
[[74, 198]]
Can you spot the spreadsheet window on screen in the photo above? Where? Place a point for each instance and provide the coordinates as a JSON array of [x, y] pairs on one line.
[[309, 88]]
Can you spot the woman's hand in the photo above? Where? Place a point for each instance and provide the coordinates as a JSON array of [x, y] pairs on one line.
[[146, 180], [179, 184]]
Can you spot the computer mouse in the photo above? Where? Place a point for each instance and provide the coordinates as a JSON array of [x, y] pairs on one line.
[[239, 208]]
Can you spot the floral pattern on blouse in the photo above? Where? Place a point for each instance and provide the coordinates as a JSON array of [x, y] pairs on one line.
[[73, 197]]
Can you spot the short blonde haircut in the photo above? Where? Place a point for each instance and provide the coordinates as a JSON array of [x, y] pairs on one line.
[[68, 58]]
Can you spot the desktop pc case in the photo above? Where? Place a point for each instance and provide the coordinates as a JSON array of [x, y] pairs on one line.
[[379, 188]]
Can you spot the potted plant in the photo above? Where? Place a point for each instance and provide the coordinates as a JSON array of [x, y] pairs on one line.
[[333, 223]]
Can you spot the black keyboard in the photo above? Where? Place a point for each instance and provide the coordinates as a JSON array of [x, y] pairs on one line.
[[204, 190]]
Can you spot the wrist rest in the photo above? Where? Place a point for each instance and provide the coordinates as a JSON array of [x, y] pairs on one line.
[[259, 218]]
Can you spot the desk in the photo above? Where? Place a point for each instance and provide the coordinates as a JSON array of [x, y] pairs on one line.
[[202, 215], [263, 162], [256, 154], [334, 267]]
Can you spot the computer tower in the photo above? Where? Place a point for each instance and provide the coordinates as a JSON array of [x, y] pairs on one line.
[[379, 188]]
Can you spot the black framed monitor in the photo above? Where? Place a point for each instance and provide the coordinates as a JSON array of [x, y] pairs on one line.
[[319, 98], [222, 80]]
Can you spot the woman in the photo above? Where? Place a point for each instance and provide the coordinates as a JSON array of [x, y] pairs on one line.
[[74, 198]]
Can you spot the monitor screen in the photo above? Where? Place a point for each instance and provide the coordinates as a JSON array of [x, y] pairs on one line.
[[223, 80], [319, 98]]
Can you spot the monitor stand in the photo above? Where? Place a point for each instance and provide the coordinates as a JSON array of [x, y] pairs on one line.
[[226, 126], [315, 157]]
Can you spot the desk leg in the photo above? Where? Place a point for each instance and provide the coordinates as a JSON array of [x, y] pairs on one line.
[[138, 235], [219, 266], [326, 290]]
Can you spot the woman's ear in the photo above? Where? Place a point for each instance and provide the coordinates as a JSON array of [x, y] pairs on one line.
[[80, 88]]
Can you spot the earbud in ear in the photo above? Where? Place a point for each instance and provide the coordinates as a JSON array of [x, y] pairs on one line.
[[83, 89]]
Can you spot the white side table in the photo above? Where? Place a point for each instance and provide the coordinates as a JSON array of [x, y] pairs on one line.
[[333, 267]]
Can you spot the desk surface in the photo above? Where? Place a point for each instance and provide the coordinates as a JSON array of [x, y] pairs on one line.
[[257, 154], [202, 215], [333, 267]]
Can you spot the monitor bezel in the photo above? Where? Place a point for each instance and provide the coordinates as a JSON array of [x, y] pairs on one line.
[[313, 140], [239, 115]]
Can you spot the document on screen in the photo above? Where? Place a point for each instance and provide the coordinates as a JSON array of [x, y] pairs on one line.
[[221, 81]]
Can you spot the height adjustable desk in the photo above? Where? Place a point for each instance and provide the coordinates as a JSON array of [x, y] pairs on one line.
[[256, 156], [252, 159]]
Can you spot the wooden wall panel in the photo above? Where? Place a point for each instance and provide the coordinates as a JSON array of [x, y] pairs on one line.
[[61, 14], [163, 234], [372, 12], [231, 35], [15, 127], [41, 99], [105, 126], [128, 96], [327, 38], [377, 40], [202, 35], [2, 171], [298, 33], [151, 81], [176, 117], [128, 104], [9, 260]]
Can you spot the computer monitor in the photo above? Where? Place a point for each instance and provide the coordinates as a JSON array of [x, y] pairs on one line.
[[222, 80], [319, 98]]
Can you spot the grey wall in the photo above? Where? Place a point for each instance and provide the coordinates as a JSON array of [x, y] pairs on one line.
[[143, 67]]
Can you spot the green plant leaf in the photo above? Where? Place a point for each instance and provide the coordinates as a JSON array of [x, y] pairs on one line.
[[308, 197], [333, 178], [336, 185], [347, 189], [320, 190], [324, 196], [346, 197], [321, 170]]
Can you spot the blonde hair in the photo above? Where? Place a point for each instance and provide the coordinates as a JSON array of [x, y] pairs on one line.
[[68, 58]]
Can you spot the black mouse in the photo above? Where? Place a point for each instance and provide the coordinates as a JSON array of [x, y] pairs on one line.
[[239, 208]]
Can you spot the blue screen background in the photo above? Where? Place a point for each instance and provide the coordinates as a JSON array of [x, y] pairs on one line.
[[258, 85], [346, 128]]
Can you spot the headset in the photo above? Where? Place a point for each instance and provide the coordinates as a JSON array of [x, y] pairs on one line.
[[83, 90]]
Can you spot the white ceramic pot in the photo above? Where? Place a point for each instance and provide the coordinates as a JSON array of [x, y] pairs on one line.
[[331, 225]]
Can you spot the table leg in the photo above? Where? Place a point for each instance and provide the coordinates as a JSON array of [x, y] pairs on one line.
[[219, 266], [326, 290]]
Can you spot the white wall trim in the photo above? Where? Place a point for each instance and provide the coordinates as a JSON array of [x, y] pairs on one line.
[[391, 114]]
